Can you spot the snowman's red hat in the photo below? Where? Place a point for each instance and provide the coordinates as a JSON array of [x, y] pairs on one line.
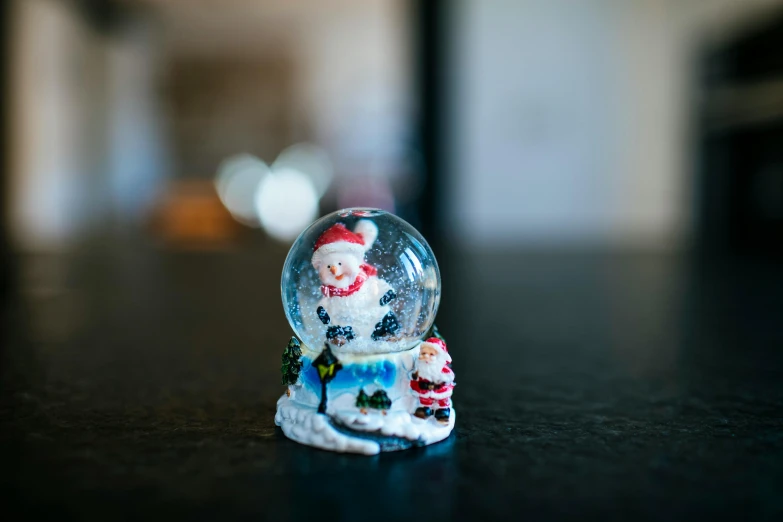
[[338, 238]]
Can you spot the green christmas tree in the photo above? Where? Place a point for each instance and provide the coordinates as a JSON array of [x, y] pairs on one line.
[[292, 361], [380, 401], [362, 400]]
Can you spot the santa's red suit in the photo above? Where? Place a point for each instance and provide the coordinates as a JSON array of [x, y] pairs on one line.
[[433, 381], [431, 393]]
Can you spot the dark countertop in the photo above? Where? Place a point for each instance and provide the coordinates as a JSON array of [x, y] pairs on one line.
[[141, 384]]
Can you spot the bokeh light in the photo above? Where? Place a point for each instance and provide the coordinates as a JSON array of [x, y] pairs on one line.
[[281, 199], [286, 202], [237, 181], [310, 160]]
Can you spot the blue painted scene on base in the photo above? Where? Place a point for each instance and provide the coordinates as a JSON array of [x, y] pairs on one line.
[[382, 373]]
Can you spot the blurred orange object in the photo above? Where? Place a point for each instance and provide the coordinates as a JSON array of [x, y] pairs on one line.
[[190, 215]]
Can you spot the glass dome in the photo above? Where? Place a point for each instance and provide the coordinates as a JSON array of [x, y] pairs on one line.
[[363, 280]]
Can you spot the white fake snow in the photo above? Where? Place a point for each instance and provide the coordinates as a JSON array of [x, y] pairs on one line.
[[305, 425]]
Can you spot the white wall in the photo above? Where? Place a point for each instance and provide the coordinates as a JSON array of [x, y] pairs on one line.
[[86, 146], [571, 119], [47, 128], [138, 155]]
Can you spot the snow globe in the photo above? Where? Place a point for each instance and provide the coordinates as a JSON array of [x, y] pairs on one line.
[[367, 370]]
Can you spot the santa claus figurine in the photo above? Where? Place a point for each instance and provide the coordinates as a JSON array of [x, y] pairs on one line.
[[433, 381], [355, 300]]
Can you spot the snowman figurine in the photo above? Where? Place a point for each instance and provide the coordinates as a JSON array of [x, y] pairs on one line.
[[355, 302]]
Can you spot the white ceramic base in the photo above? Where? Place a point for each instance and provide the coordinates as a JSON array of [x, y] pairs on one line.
[[305, 425], [345, 428]]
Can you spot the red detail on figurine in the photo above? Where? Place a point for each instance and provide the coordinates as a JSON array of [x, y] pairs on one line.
[[337, 233], [364, 272], [433, 380], [353, 294]]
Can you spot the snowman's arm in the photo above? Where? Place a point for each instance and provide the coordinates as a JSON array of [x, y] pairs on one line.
[[387, 297], [322, 315]]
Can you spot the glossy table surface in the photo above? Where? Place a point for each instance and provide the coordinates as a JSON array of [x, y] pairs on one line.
[[140, 383]]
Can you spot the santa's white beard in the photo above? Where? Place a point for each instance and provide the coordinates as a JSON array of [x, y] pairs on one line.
[[432, 371]]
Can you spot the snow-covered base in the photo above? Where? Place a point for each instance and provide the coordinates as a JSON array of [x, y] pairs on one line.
[[305, 425], [346, 428]]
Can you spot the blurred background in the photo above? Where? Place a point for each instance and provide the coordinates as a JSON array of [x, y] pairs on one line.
[[605, 175], [651, 123]]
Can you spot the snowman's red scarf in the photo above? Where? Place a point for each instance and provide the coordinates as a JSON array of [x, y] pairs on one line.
[[365, 271]]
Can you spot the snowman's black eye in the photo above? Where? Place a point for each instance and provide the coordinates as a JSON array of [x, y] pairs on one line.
[[328, 266], [340, 264]]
